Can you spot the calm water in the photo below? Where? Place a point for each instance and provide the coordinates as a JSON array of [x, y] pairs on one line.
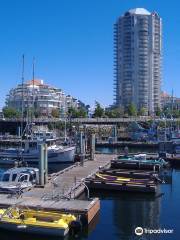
[[121, 213]]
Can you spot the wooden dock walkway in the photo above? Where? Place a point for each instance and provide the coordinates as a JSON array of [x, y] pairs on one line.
[[69, 183], [62, 189]]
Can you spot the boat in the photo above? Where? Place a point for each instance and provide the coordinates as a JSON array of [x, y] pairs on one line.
[[115, 183], [35, 222], [139, 161], [142, 159], [117, 179], [16, 180], [56, 154]]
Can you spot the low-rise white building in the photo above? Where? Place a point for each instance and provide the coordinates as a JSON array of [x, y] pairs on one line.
[[41, 97]]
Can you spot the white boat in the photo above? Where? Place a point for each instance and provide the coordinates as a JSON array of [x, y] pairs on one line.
[[56, 154], [17, 179]]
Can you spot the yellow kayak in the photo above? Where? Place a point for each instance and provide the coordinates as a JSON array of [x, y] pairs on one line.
[[38, 222]]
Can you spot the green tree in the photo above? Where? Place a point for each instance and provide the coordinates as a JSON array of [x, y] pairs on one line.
[[55, 113], [76, 113], [115, 112], [158, 112], [99, 111], [176, 113], [142, 111], [9, 112], [81, 113], [132, 111], [72, 113]]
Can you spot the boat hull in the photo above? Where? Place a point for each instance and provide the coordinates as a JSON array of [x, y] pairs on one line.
[[62, 155], [34, 229]]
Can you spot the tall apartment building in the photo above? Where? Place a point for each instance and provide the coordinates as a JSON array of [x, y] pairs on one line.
[[137, 62]]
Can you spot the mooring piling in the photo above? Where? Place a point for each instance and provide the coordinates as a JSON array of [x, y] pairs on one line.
[[43, 164]]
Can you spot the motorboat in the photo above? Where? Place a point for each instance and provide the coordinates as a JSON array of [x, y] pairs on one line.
[[35, 222], [16, 180], [56, 154], [142, 159]]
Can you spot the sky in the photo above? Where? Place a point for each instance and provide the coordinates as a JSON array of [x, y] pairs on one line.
[[72, 42]]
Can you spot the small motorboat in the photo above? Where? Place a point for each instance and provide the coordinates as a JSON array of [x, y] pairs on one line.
[[16, 180], [143, 160], [35, 222]]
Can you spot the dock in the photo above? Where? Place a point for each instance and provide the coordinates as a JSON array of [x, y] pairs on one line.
[[134, 165], [98, 184], [130, 173], [62, 189]]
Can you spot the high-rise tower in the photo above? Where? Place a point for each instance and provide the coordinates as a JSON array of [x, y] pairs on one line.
[[137, 42]]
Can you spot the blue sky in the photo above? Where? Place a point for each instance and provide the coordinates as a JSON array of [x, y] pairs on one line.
[[72, 41]]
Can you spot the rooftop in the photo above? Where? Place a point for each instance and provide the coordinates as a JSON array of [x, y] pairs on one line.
[[139, 11], [36, 82]]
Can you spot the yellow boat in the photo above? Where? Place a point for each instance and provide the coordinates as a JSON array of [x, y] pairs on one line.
[[38, 222]]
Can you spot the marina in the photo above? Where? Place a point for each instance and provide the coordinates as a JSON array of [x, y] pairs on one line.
[[77, 188], [61, 191], [77, 160]]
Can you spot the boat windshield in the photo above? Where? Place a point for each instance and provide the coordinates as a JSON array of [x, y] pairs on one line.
[[32, 177], [23, 177], [14, 177], [6, 177]]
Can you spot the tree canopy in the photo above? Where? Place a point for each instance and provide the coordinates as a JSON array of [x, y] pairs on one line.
[[132, 111], [77, 113], [10, 112], [99, 111]]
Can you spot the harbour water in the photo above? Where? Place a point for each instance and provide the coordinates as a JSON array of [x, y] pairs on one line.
[[121, 213]]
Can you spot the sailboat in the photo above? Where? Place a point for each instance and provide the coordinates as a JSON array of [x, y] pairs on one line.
[[56, 153]]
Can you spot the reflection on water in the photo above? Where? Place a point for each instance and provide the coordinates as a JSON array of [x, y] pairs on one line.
[[129, 210], [22, 236]]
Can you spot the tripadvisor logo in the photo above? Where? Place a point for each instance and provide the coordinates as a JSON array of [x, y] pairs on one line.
[[139, 231]]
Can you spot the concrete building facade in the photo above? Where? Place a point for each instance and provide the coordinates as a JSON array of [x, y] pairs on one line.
[[169, 102], [137, 61], [42, 97]]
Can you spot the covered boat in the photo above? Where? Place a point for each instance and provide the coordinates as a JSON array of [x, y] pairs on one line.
[[36, 222], [16, 180]]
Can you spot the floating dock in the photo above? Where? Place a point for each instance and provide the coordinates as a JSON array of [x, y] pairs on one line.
[[130, 173], [94, 184], [62, 189], [134, 165]]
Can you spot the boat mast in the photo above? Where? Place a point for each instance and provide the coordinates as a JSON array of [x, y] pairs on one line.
[[22, 100], [33, 90], [172, 108], [65, 131]]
